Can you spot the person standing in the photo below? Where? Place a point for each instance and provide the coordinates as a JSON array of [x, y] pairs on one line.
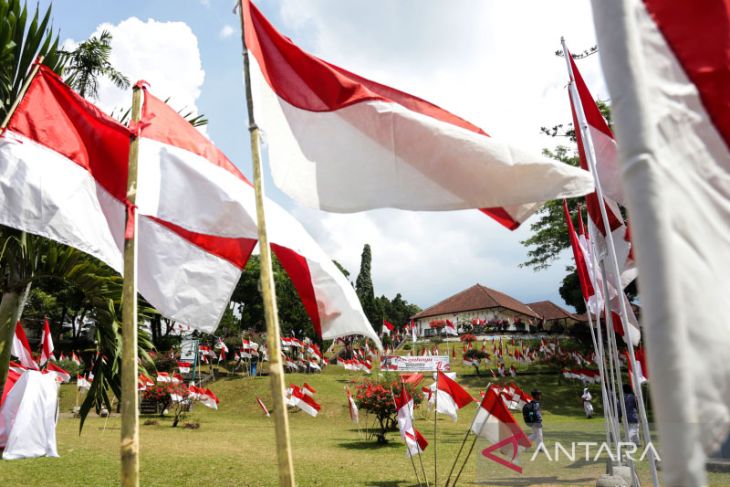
[[587, 405], [632, 414], [532, 414]]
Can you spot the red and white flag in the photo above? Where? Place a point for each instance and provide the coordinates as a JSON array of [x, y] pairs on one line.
[[46, 344], [60, 374], [263, 406], [581, 267], [450, 328], [75, 359], [304, 402], [183, 367], [343, 143], [387, 325], [207, 398], [308, 390], [163, 377], [194, 214], [21, 348], [640, 364], [83, 383], [494, 422], [354, 413], [218, 222], [604, 147], [415, 442], [450, 396]]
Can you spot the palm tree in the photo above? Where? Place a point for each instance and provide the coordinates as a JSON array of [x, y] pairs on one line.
[[90, 61], [24, 257], [21, 42]]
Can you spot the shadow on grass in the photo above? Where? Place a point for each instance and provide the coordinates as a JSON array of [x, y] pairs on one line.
[[528, 481], [391, 483], [368, 445]]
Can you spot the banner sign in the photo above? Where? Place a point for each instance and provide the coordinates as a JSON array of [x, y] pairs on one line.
[[397, 363], [189, 350]]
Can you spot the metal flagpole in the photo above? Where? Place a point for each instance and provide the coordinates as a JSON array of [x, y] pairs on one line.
[[276, 372], [608, 368], [590, 157], [602, 374], [129, 448], [435, 417], [463, 442]]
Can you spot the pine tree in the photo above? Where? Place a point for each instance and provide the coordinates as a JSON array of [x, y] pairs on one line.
[[365, 291]]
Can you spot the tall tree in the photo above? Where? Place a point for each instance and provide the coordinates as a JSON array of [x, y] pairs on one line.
[[86, 64], [365, 291], [247, 300]]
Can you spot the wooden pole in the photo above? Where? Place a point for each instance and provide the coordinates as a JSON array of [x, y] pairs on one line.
[[276, 371], [129, 448], [423, 469], [466, 436]]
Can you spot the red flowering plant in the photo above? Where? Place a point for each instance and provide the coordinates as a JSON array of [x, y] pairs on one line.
[[375, 395], [468, 337], [170, 394], [437, 324]]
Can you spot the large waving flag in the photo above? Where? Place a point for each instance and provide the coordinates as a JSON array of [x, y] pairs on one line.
[[63, 175], [343, 143], [216, 230], [667, 69], [63, 170]]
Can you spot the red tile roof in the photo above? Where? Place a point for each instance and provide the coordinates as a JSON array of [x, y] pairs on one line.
[[550, 311], [475, 298]]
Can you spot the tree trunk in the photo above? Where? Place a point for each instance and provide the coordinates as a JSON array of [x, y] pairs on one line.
[[8, 310]]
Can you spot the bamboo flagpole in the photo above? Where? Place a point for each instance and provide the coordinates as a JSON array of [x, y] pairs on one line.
[[613, 261], [129, 448], [473, 443], [276, 371], [466, 436]]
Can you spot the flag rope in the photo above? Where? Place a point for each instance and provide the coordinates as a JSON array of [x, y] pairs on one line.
[[268, 291]]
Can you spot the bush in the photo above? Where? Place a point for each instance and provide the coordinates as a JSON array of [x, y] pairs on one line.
[[407, 346], [375, 395], [165, 364], [70, 367]]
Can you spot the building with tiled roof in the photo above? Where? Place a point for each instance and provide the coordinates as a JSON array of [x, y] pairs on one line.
[[552, 315], [477, 302]]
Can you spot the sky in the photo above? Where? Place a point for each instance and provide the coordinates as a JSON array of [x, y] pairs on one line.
[[491, 62]]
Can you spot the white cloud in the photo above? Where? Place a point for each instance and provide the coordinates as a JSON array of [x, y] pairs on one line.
[[490, 62], [226, 32], [165, 54]]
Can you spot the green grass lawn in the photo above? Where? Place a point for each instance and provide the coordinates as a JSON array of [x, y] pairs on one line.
[[235, 445]]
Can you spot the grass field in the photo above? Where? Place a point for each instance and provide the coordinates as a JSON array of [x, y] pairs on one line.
[[234, 446]]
